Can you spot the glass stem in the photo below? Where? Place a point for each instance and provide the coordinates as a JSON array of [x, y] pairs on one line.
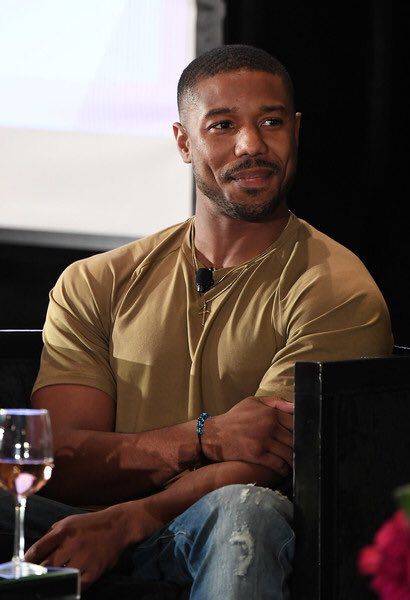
[[18, 554]]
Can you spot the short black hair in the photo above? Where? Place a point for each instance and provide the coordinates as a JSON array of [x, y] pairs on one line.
[[231, 57]]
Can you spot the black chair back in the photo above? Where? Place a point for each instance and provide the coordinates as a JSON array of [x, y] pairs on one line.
[[20, 352], [352, 448]]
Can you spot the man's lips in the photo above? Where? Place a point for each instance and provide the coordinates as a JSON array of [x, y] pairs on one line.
[[252, 177]]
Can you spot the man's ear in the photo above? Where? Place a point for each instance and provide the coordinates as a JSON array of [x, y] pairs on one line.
[[182, 140], [298, 118]]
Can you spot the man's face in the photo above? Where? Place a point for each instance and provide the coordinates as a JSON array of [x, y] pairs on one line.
[[240, 133]]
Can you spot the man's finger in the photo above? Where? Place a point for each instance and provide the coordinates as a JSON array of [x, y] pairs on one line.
[[87, 578], [284, 436], [40, 550], [282, 451], [59, 558], [276, 464], [278, 403], [286, 420]]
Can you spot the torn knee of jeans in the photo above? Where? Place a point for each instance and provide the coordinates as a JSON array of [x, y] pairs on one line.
[[243, 495], [244, 539]]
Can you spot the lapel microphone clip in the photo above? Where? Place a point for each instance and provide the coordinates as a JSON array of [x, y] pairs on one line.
[[204, 280]]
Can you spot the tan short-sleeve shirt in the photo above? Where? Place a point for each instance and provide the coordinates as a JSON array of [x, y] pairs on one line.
[[130, 322]]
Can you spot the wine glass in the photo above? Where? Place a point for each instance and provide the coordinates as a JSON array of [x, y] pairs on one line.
[[26, 462]]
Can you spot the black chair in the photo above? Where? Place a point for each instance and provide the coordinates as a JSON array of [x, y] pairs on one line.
[[20, 351], [352, 449]]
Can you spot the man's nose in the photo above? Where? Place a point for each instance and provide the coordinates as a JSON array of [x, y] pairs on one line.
[[250, 141]]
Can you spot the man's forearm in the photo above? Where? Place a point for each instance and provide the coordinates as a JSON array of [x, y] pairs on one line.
[[147, 515], [94, 541], [98, 467]]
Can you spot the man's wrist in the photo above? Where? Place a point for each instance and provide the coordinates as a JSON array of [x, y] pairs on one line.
[[200, 423], [127, 522], [210, 449], [138, 519]]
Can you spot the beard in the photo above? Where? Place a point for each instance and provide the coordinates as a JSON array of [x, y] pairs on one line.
[[253, 211]]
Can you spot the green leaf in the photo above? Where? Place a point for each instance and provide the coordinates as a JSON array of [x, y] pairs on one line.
[[402, 495]]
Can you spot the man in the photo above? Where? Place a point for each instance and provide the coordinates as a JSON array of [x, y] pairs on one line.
[[136, 358]]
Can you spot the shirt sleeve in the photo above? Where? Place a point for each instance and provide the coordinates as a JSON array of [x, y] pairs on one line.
[[327, 316], [76, 333]]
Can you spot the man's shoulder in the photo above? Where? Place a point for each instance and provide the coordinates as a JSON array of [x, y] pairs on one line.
[[318, 261], [319, 249], [122, 262]]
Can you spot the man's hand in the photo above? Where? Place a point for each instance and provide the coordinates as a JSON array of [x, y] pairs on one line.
[[257, 430], [93, 542], [89, 542]]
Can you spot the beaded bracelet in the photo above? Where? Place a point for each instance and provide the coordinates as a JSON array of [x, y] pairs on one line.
[[200, 430]]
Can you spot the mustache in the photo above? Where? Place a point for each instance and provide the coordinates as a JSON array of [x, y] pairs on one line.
[[250, 163]]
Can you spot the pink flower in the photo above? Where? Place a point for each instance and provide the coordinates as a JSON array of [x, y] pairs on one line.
[[388, 559]]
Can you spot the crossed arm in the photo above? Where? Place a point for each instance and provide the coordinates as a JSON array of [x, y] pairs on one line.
[[251, 443], [95, 465]]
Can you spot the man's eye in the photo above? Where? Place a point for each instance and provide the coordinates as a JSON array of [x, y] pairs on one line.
[[273, 122], [221, 125]]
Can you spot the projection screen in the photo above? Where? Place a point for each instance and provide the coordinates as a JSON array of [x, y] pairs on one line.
[[87, 102]]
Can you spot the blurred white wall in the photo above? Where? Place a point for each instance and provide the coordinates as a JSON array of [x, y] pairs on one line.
[[87, 101]]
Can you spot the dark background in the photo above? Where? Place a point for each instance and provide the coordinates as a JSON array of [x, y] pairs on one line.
[[350, 66], [349, 63]]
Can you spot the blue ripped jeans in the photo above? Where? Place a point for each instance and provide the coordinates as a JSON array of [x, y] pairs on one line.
[[234, 543]]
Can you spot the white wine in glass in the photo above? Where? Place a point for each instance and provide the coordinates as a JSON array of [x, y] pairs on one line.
[[26, 463]]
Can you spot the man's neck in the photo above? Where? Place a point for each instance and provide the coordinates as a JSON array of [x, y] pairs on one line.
[[222, 241]]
